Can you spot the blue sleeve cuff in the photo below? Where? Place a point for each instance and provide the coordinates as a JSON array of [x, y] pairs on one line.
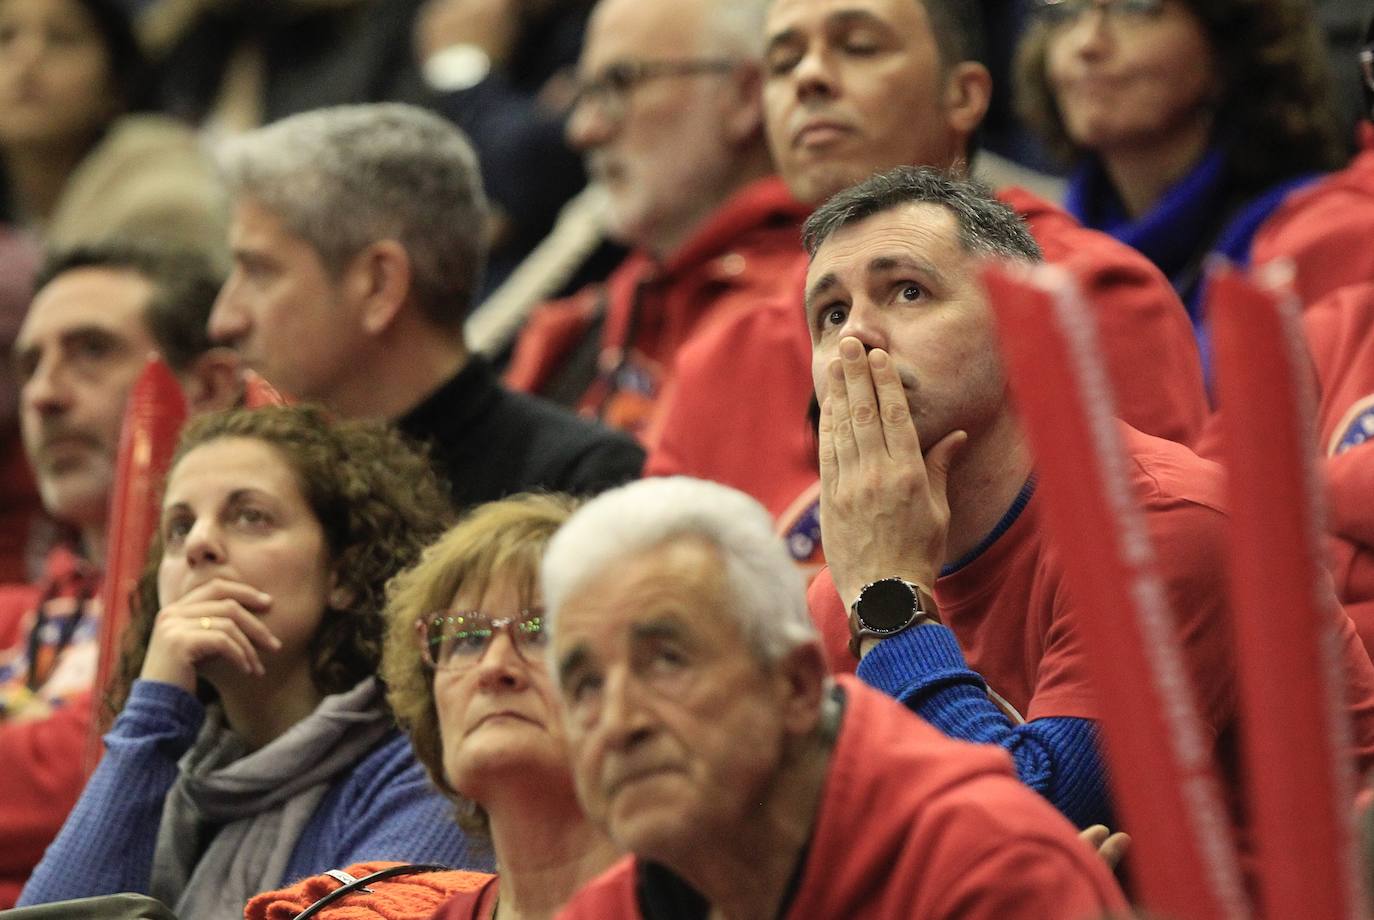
[[157, 708], [915, 661]]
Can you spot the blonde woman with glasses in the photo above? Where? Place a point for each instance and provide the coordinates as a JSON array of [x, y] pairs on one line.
[[464, 664]]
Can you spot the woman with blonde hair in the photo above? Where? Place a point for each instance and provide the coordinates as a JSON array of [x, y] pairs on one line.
[[466, 677]]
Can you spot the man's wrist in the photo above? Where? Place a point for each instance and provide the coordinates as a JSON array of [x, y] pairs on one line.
[[886, 607], [861, 645]]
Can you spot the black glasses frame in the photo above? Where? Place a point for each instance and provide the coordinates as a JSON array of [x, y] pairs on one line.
[[610, 87]]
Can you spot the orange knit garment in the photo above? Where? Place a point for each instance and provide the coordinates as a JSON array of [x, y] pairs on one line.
[[403, 897]]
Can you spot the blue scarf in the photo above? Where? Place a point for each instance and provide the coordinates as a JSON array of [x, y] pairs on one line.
[[1179, 233]]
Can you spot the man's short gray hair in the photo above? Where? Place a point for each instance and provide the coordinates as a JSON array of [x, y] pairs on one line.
[[987, 227], [345, 177], [763, 581]]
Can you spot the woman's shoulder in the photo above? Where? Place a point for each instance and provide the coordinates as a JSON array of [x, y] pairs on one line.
[[390, 757], [143, 130], [384, 807], [140, 144], [388, 771], [148, 175]]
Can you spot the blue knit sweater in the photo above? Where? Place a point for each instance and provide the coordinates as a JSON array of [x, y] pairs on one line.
[[1058, 756], [925, 669], [385, 808]]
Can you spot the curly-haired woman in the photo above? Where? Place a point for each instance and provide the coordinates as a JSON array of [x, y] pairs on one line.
[[1188, 120], [253, 743]]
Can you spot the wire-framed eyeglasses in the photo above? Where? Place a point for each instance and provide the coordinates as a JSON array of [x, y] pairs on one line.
[[610, 89], [1066, 12], [457, 639]]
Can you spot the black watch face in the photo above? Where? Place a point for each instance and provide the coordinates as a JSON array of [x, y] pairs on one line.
[[886, 606]]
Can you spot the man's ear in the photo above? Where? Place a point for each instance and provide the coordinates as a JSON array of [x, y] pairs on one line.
[[802, 674], [744, 117], [378, 282], [968, 92], [214, 381]]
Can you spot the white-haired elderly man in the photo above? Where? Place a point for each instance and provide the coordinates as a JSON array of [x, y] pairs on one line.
[[670, 119], [709, 743], [358, 240]]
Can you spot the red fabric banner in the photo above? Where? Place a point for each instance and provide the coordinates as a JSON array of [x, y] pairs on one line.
[[1296, 733], [257, 392], [152, 420], [1165, 788]]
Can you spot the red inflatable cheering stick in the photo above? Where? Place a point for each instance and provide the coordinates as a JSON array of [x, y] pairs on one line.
[[1164, 786], [152, 420], [1289, 629]]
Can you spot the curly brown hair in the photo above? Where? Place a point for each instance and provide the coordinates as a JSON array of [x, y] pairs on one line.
[[377, 501], [499, 540], [1273, 99]]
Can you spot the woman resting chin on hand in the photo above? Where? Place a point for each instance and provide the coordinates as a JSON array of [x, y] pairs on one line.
[[256, 746]]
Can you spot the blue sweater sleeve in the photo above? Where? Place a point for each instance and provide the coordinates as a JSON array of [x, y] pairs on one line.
[[106, 846], [1059, 757], [386, 809]]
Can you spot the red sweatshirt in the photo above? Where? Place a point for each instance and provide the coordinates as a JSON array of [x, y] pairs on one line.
[[1340, 336], [1339, 329], [652, 310], [1326, 228], [41, 756], [738, 411], [914, 825], [1020, 628]]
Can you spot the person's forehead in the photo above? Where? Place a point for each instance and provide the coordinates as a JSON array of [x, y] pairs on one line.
[[919, 231], [624, 30], [808, 15], [254, 223], [113, 300], [67, 11], [680, 580], [231, 464], [502, 593]]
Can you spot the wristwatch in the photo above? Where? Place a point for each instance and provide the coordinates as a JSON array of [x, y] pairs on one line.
[[887, 606]]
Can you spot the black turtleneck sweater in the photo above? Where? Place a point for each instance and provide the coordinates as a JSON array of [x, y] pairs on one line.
[[489, 442]]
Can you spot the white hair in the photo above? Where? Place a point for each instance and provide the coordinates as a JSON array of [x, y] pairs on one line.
[[763, 581], [343, 177]]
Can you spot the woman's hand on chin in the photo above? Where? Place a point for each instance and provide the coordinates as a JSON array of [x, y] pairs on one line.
[[216, 621]]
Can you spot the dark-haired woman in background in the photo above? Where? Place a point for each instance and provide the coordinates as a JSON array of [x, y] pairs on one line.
[[255, 746], [1188, 120], [79, 162]]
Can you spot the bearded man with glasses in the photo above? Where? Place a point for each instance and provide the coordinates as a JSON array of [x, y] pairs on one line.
[[669, 117]]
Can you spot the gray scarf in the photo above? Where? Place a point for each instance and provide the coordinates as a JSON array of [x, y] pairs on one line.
[[253, 809]]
